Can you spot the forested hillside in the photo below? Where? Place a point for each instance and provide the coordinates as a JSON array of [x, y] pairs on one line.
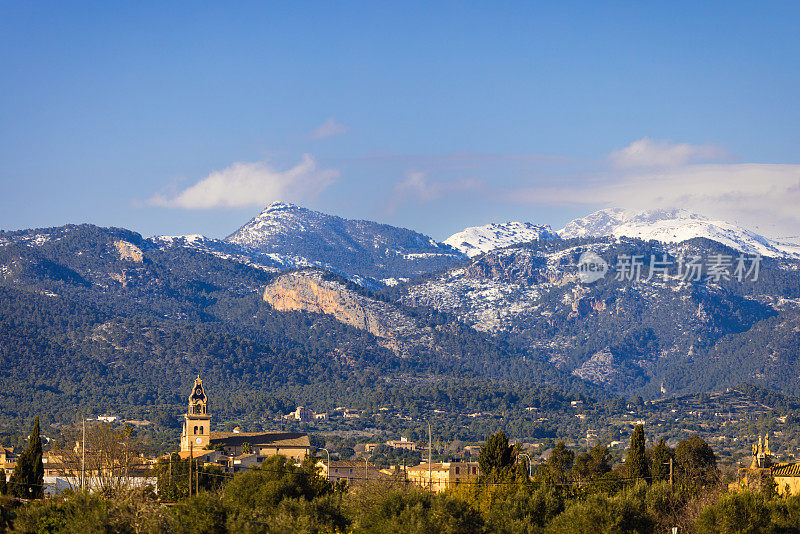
[[101, 319]]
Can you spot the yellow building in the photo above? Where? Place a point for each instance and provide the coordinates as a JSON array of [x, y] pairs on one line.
[[354, 473], [8, 460], [440, 476], [787, 478], [763, 470]]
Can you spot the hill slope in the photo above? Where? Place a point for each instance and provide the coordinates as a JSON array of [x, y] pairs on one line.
[[652, 336], [363, 248]]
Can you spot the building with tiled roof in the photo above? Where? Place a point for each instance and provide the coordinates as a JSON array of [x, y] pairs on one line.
[[352, 472], [8, 460], [197, 439], [440, 476], [762, 470]]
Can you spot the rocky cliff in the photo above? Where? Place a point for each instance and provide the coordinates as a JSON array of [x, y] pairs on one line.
[[311, 291]]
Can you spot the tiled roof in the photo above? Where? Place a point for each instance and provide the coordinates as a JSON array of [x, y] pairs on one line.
[[281, 439], [786, 470], [338, 464], [195, 453]]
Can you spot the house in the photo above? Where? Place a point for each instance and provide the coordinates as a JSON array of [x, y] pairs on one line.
[[403, 443], [8, 460], [354, 473], [94, 469], [302, 414], [107, 418], [440, 476], [473, 451]]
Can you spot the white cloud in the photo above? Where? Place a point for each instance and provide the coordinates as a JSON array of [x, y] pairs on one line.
[[417, 183], [762, 197], [251, 184], [329, 128], [648, 153]]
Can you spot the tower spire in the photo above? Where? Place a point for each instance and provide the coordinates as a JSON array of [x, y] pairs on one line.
[[197, 420]]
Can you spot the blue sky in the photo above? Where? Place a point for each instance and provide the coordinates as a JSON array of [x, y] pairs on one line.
[[188, 118]]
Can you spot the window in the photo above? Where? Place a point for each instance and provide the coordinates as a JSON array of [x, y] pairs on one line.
[[195, 430], [201, 431], [474, 470], [458, 470]]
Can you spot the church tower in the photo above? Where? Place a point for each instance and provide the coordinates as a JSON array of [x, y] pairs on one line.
[[197, 421]]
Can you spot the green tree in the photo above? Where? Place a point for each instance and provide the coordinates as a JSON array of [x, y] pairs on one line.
[[27, 481], [743, 511], [593, 464], [173, 477], [659, 463], [524, 509], [561, 459], [636, 462], [420, 512], [601, 513], [3, 485], [497, 456], [202, 514], [277, 479], [664, 505], [695, 463]]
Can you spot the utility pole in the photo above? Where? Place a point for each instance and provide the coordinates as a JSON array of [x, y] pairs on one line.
[[430, 458], [670, 471], [529, 463], [83, 453], [191, 457], [365, 469]]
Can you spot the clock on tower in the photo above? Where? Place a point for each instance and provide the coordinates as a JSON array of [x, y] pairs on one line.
[[197, 421]]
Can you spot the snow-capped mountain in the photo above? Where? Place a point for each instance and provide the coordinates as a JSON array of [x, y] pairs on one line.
[[477, 240], [363, 248], [675, 226]]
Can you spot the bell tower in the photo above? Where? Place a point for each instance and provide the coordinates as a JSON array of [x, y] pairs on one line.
[[197, 421]]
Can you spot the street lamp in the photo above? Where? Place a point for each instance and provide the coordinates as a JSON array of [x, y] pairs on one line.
[[430, 458], [328, 473], [82, 415]]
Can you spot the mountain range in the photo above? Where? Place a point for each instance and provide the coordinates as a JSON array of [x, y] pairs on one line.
[[298, 304], [372, 254]]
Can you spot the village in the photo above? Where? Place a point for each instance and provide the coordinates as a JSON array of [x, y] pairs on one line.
[[108, 462]]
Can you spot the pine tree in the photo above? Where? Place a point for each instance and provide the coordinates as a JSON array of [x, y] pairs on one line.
[[660, 461], [497, 455], [27, 482], [637, 460], [3, 485]]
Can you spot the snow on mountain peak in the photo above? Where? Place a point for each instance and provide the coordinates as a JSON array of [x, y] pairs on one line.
[[674, 226], [476, 240]]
